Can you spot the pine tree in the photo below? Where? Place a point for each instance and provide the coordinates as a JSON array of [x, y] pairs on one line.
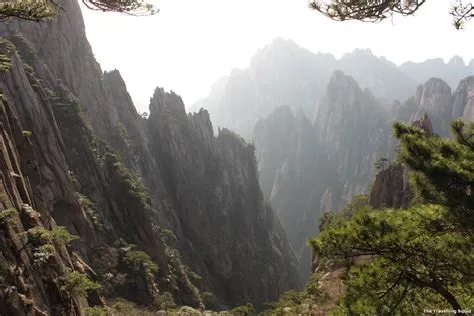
[[402, 261]]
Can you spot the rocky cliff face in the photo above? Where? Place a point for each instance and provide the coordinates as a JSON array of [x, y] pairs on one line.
[[77, 181], [435, 99], [213, 185], [153, 201], [275, 139], [391, 188], [30, 274]]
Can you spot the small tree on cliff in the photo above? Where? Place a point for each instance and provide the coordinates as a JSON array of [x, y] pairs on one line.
[[375, 11], [38, 10]]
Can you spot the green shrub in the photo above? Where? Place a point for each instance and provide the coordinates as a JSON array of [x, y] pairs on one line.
[[123, 306], [291, 299], [8, 216], [58, 235], [77, 283], [98, 311], [164, 301], [193, 275], [168, 236], [244, 310], [84, 201], [5, 63], [136, 258]]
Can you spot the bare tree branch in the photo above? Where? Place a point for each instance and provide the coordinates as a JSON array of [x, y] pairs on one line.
[[365, 10], [378, 10]]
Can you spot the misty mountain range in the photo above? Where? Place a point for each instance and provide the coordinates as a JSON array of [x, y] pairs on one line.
[[319, 124], [282, 73]]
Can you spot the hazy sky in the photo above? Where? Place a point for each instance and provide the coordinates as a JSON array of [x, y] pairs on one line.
[[189, 44]]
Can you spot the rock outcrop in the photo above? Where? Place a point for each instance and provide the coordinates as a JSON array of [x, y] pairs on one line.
[[391, 188], [154, 202]]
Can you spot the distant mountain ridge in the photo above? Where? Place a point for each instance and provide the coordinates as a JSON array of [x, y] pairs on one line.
[[283, 73]]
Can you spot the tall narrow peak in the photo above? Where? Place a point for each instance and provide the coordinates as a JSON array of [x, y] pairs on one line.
[[436, 100], [354, 127]]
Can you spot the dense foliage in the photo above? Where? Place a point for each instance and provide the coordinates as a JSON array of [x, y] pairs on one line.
[[404, 261]]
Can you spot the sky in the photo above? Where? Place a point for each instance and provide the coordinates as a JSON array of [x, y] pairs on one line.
[[189, 44]]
